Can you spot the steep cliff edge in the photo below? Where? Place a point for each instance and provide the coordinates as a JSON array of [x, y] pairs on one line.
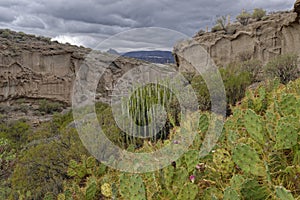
[[36, 68], [276, 34]]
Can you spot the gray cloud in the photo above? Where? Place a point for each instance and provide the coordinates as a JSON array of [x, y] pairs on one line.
[[91, 21]]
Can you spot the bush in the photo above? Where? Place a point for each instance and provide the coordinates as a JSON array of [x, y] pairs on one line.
[[283, 67], [244, 17], [222, 22], [236, 82], [42, 165], [16, 131], [255, 68], [235, 79], [49, 107], [216, 28], [258, 13]]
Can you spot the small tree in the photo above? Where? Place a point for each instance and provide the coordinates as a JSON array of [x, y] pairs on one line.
[[258, 13], [244, 17]]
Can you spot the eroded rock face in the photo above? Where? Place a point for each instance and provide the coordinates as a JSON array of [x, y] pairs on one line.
[[297, 7], [32, 67], [277, 34]]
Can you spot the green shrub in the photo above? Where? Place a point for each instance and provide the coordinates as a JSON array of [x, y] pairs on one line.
[[49, 107], [235, 80], [202, 92], [284, 67], [16, 132], [258, 13], [216, 28], [42, 166], [244, 17], [222, 21], [255, 68]]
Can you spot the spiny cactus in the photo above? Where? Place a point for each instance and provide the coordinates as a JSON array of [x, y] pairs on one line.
[[179, 179], [80, 170], [91, 189], [188, 192], [167, 175], [191, 159], [248, 160], [223, 161], [251, 189], [253, 124], [106, 190], [283, 194], [286, 134], [203, 123], [132, 187], [287, 105], [231, 194], [236, 182]]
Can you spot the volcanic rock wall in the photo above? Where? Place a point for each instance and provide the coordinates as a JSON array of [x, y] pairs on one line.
[[276, 34], [34, 67]]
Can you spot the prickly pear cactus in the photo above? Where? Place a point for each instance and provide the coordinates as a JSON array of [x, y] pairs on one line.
[[203, 123], [253, 124], [231, 194], [180, 178], [286, 134], [106, 190], [191, 159], [188, 192], [91, 189], [287, 105], [167, 176], [248, 160], [223, 161], [251, 189], [132, 187], [283, 194]]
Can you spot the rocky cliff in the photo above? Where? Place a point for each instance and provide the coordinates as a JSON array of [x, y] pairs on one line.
[[275, 34], [34, 67]]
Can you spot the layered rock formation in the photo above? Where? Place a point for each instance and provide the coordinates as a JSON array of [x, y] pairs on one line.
[[35, 67], [275, 34]]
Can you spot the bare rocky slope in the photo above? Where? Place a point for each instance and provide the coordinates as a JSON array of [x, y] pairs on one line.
[[36, 68], [275, 34]]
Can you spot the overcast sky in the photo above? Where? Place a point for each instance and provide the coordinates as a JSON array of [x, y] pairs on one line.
[[88, 22]]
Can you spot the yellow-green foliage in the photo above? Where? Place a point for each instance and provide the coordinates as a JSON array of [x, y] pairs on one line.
[[42, 163]]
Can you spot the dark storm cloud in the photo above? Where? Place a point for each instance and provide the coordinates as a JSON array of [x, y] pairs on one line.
[[86, 22]]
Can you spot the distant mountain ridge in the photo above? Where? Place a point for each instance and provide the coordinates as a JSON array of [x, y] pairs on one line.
[[155, 56]]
